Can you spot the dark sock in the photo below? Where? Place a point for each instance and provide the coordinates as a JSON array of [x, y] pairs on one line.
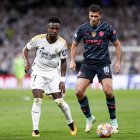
[[71, 126], [85, 107], [111, 107]]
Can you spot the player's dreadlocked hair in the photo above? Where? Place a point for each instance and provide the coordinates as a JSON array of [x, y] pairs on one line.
[[54, 20], [95, 8]]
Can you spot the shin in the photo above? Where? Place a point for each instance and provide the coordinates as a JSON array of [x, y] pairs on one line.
[[65, 109], [36, 111]]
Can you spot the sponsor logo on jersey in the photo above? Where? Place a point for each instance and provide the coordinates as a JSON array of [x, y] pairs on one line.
[[94, 41], [46, 55]]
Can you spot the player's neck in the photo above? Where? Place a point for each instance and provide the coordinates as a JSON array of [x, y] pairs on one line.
[[95, 25], [51, 39]]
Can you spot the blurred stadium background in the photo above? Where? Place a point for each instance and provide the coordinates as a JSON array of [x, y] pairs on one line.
[[21, 20]]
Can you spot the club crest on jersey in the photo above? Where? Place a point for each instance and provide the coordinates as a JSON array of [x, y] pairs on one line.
[[101, 33], [56, 50], [94, 34]]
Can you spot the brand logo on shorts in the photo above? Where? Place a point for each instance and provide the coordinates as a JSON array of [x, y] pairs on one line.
[[79, 73]]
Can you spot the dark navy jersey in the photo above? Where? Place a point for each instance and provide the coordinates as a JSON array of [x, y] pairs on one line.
[[96, 42]]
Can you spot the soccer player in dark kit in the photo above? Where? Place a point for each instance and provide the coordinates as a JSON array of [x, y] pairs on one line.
[[96, 35]]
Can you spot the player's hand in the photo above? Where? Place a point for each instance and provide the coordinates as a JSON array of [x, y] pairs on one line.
[[27, 67], [117, 67], [62, 87], [73, 65]]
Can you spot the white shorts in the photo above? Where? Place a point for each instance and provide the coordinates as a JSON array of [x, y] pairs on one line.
[[49, 82]]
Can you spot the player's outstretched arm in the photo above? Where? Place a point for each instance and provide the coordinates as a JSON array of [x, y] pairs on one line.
[[63, 74], [73, 55], [25, 56], [117, 66]]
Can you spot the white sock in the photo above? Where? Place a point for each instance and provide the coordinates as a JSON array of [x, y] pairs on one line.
[[65, 109], [36, 112]]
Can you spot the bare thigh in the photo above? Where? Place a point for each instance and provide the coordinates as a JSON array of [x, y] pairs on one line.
[[107, 87]]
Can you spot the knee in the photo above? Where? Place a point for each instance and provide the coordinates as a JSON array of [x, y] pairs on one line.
[[59, 101], [108, 91], [80, 93], [36, 108], [37, 93], [37, 101]]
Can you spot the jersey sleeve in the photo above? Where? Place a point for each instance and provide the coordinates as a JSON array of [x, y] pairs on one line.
[[78, 36], [63, 52], [112, 34], [31, 44]]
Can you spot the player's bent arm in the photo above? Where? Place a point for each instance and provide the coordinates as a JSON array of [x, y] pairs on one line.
[[25, 54], [118, 50]]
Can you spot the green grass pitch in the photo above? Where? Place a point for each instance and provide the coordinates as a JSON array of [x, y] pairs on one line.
[[15, 116]]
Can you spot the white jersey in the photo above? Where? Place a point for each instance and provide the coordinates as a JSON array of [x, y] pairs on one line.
[[47, 55]]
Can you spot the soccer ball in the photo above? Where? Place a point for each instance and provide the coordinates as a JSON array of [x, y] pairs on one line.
[[104, 130]]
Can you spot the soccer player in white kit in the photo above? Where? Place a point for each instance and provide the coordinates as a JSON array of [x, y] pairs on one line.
[[46, 75]]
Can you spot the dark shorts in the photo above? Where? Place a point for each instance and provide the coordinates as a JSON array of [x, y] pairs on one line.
[[89, 72]]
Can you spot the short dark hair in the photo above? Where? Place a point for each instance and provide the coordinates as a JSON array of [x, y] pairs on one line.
[[95, 8], [54, 20]]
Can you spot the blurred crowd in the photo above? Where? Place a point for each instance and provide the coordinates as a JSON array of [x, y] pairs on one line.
[[18, 27]]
